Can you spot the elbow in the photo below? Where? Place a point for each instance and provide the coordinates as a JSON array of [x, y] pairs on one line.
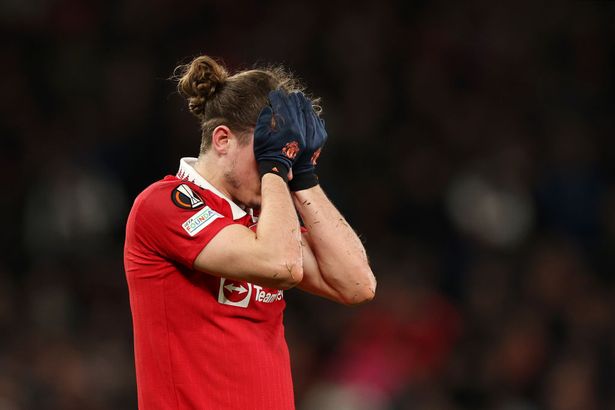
[[281, 268], [363, 293], [287, 275], [359, 297]]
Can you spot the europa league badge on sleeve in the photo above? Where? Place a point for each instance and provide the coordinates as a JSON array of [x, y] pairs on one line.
[[185, 198]]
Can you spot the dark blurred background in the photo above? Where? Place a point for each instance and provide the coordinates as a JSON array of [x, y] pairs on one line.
[[470, 146]]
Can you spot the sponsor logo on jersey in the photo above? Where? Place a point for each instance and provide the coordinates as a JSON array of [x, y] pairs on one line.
[[197, 222], [239, 293], [265, 296], [184, 197]]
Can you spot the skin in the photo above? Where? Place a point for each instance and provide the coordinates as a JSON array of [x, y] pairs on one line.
[[272, 255], [329, 261], [231, 167]]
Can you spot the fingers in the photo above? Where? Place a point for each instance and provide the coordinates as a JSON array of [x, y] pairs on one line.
[[266, 113], [282, 109], [287, 104], [296, 108], [306, 104], [283, 104], [264, 120], [276, 99], [287, 112]]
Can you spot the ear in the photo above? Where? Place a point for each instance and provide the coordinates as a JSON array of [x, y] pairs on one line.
[[220, 139]]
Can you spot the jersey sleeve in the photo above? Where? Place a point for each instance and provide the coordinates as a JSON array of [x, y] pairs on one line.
[[173, 232]]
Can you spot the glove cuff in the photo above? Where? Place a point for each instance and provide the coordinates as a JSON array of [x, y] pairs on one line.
[[303, 181], [273, 167]]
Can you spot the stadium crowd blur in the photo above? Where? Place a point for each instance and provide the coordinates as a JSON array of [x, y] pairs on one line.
[[470, 146]]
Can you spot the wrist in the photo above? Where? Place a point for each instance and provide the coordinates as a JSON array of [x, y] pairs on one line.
[[303, 181], [273, 167]]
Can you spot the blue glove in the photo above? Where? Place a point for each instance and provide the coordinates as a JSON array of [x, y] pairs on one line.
[[279, 134], [304, 175]]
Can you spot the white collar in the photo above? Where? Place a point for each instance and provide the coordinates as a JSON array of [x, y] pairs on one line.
[[187, 172]]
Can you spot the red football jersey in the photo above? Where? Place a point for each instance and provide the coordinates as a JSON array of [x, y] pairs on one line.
[[201, 341]]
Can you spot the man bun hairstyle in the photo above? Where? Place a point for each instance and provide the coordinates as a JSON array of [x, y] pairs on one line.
[[217, 98], [199, 81]]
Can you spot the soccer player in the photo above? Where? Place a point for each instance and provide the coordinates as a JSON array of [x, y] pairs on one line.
[[210, 251]]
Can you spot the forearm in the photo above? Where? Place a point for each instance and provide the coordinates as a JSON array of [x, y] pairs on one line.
[[278, 230], [341, 257]]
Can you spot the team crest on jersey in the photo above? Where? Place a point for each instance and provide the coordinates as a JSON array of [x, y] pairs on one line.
[[234, 292], [184, 197]]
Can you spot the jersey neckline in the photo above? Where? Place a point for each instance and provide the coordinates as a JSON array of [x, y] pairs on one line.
[[187, 172]]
